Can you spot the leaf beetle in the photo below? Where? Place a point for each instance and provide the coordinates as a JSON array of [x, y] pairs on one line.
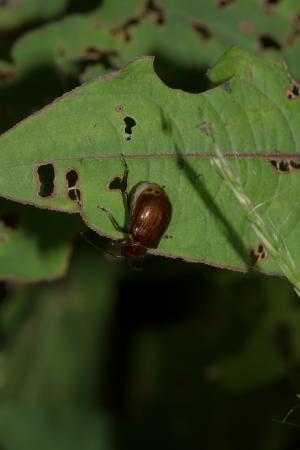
[[149, 213]]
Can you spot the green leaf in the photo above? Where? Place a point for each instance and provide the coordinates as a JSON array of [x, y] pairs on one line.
[[15, 13], [191, 36], [34, 244], [81, 136]]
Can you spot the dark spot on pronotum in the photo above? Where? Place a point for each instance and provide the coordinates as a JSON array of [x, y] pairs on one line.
[[258, 254], [72, 177], [285, 165], [119, 108], [46, 176], [115, 184], [269, 42], [293, 91], [129, 124], [225, 3], [11, 219], [202, 30]]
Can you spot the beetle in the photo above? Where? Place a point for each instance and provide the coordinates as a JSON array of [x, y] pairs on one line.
[[149, 212]]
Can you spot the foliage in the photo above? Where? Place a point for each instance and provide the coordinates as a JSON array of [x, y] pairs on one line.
[[177, 355]]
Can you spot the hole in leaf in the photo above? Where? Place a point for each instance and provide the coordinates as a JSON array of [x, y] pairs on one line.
[[72, 177], [11, 219], [74, 194], [293, 91], [258, 254], [202, 30], [285, 165], [129, 124], [115, 184], [295, 164], [225, 3], [268, 42], [46, 176]]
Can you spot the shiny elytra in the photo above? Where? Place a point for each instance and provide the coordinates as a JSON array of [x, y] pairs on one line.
[[150, 214]]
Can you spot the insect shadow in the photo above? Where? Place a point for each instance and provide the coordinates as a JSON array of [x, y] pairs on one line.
[[199, 186]]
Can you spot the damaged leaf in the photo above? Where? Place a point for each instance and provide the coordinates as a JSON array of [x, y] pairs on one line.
[[164, 135]]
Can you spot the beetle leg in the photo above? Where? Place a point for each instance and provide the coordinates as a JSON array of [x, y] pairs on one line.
[[115, 223], [167, 236]]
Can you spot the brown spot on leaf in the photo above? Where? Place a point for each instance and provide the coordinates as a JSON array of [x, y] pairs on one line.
[[293, 91], [119, 108], [246, 26], [295, 31], [202, 30], [46, 175], [150, 8], [225, 3], [258, 254]]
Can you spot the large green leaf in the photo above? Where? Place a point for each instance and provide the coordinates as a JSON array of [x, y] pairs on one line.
[[163, 134], [190, 35]]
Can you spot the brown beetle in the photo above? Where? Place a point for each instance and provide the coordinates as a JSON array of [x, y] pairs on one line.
[[149, 215]]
